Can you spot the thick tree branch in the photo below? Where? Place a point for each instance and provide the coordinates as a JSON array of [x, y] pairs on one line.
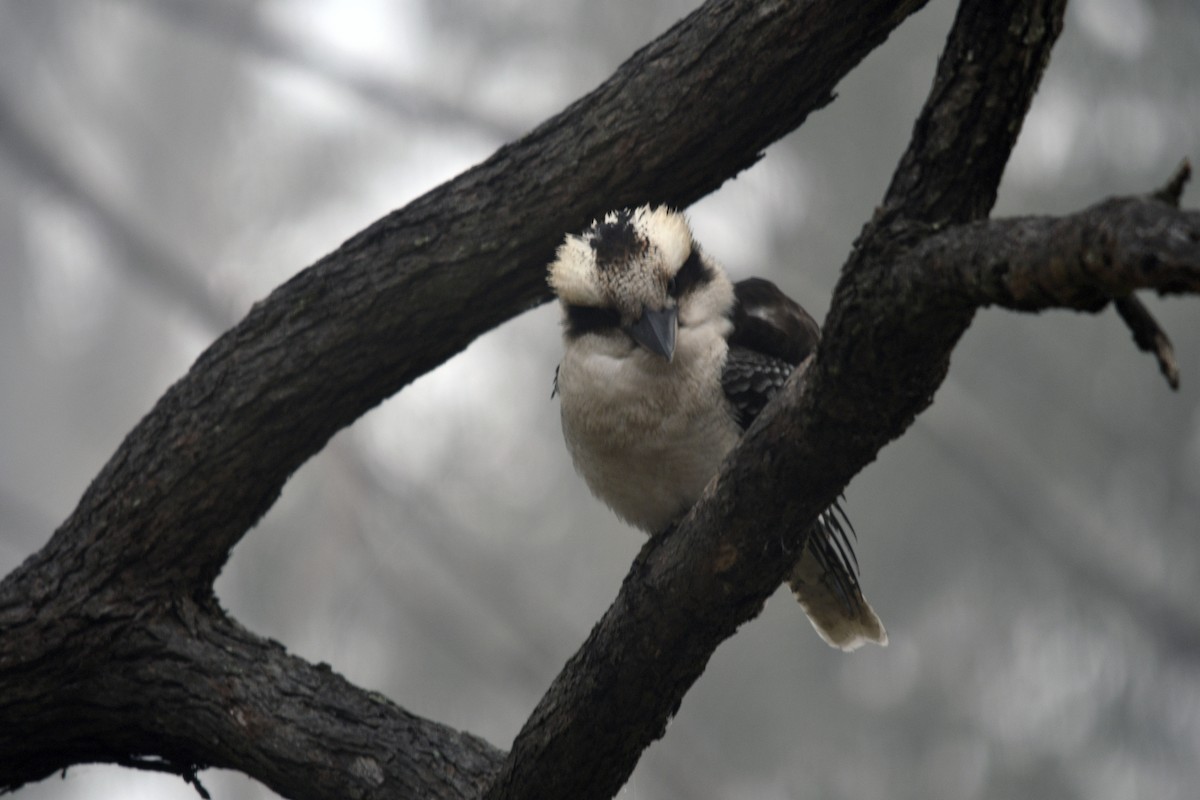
[[1081, 261], [986, 78], [192, 687]]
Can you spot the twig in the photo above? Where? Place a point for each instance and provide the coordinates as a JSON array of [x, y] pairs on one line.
[[154, 764], [1173, 190], [1147, 333]]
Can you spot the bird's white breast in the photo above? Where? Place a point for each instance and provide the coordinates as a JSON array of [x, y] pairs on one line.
[[646, 434]]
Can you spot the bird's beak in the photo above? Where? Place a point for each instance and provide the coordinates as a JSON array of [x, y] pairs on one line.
[[655, 331]]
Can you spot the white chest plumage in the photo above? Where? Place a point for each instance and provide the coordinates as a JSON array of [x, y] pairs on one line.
[[647, 434]]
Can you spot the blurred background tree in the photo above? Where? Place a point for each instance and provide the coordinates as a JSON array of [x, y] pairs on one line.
[[1031, 542]]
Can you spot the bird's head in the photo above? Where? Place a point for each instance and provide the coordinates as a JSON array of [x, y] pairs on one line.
[[638, 273]]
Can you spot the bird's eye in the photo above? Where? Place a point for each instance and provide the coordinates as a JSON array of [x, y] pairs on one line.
[[671, 287]]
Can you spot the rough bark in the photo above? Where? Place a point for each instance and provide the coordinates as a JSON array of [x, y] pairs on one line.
[[180, 686], [113, 647]]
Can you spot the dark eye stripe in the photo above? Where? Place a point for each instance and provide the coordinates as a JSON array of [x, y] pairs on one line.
[[586, 319], [693, 273]]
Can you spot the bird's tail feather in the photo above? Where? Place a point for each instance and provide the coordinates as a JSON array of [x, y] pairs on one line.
[[825, 581]]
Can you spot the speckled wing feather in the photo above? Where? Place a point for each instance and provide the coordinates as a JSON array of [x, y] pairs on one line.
[[771, 335], [750, 380]]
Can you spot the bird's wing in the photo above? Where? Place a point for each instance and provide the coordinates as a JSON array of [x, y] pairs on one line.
[[769, 322], [772, 335], [750, 379]]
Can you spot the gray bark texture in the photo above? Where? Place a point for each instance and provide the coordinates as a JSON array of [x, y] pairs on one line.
[[112, 645]]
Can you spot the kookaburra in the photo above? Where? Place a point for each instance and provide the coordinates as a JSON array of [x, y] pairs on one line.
[[666, 365]]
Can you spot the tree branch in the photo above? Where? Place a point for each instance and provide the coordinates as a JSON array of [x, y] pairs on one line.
[[1080, 261], [986, 78], [191, 686]]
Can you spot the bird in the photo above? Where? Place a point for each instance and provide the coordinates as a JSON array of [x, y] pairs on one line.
[[666, 364]]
